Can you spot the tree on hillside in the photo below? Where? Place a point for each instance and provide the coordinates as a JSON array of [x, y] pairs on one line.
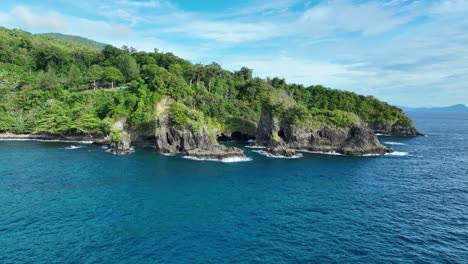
[[112, 75], [74, 78], [128, 66], [95, 73], [47, 80]]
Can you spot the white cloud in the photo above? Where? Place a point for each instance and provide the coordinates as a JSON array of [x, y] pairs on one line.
[[27, 18], [223, 31], [4, 18], [52, 21], [297, 70], [450, 7], [367, 18], [150, 4]]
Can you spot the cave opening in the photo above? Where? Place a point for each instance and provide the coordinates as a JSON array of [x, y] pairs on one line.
[[282, 135]]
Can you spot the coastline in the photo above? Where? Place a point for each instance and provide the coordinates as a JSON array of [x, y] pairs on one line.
[[53, 138]]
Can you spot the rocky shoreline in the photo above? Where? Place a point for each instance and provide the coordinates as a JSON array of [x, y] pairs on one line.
[[282, 138], [396, 130], [279, 138], [55, 138]]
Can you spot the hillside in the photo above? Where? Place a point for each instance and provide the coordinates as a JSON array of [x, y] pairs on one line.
[[47, 86], [77, 39]]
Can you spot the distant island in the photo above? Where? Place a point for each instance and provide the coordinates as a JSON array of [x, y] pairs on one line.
[[453, 108], [55, 86]]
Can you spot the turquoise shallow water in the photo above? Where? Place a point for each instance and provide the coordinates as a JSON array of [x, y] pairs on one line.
[[87, 206]]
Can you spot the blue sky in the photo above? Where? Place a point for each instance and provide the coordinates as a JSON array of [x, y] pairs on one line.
[[412, 53]]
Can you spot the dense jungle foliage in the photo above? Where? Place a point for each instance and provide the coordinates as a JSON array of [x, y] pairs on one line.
[[62, 86]]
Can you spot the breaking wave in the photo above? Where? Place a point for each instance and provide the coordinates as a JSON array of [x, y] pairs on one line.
[[333, 153], [255, 147], [225, 160], [398, 153], [73, 147], [267, 154], [394, 143], [48, 140]]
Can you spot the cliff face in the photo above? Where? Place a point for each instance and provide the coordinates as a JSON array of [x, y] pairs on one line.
[[171, 138], [283, 138], [396, 130], [120, 139]]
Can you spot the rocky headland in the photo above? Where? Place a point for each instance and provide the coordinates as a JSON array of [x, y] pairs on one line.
[[281, 137]]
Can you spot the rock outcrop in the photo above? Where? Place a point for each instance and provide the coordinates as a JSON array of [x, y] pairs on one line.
[[217, 152], [120, 144], [282, 151], [396, 130], [361, 140], [120, 139], [173, 138], [283, 138]]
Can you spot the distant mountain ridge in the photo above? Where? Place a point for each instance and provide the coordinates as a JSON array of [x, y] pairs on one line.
[[77, 39], [453, 108]]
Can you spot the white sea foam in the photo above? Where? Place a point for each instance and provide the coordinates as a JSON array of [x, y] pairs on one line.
[[169, 154], [266, 153], [225, 160], [131, 151], [254, 147], [382, 135], [333, 153], [73, 147], [370, 155], [104, 147], [398, 153], [47, 140], [394, 143]]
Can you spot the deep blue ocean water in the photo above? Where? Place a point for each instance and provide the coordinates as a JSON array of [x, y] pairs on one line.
[[60, 205]]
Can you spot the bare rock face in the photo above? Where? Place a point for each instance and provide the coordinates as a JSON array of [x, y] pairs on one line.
[[267, 126], [322, 140], [283, 139], [173, 139], [396, 130], [282, 151], [218, 152], [122, 145], [361, 140]]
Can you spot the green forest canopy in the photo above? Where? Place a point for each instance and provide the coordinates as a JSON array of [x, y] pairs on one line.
[[45, 86]]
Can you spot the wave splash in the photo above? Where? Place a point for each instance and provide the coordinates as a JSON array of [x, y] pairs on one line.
[[394, 143], [255, 147], [73, 147], [225, 160], [267, 154], [48, 140], [397, 153], [333, 153]]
